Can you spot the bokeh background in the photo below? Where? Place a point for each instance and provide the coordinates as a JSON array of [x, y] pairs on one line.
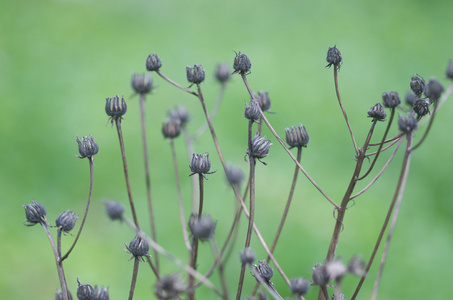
[[59, 60]]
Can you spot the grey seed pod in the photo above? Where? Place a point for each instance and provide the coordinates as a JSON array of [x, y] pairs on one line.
[[141, 83], [252, 112], [263, 270], [334, 58], [421, 108], [138, 246], [336, 269], [222, 73], [260, 146], [407, 123], [34, 213], [263, 100], [377, 112], [234, 175], [433, 89], [411, 98], [66, 220], [241, 63], [320, 276], [196, 74], [87, 146], [114, 107], [391, 99], [171, 128], [297, 136], [356, 265], [417, 85], [153, 62], [202, 227], [85, 291], [101, 293], [248, 256], [200, 163], [179, 113], [299, 286], [168, 287], [114, 210]]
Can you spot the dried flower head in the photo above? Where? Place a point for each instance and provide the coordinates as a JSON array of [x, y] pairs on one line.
[[179, 113], [141, 83], [153, 62], [234, 175], [252, 112], [202, 227], [35, 213], [433, 89], [297, 136], [87, 146], [407, 123], [299, 286], [222, 73], [391, 99], [320, 276], [260, 147], [263, 270], [171, 128], [196, 74], [356, 265], [261, 295], [139, 246], [449, 71], [377, 112], [66, 220], [417, 85], [336, 269], [264, 101], [421, 108], [241, 64], [411, 98], [85, 291], [168, 287], [114, 210], [200, 164], [101, 293], [248, 256], [59, 295], [115, 108], [334, 58]]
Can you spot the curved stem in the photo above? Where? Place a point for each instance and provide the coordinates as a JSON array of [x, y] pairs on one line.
[[190, 150], [335, 76], [90, 160], [178, 187], [431, 120], [134, 278], [218, 259], [147, 174], [399, 190], [175, 84]]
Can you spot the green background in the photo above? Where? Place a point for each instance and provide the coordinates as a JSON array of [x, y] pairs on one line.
[[59, 60]]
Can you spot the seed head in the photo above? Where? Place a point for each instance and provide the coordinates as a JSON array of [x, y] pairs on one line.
[[252, 112], [35, 213], [297, 136], [320, 276], [417, 85], [407, 123], [139, 246], [179, 113], [264, 101], [114, 210], [168, 287], [153, 62], [202, 227], [248, 256], [222, 73], [356, 266], [85, 291], [101, 293], [411, 98], [66, 220], [299, 286], [336, 269], [171, 128], [449, 71], [114, 108], [421, 108], [263, 271], [433, 89], [196, 74], [391, 99], [200, 164], [260, 146], [234, 175], [59, 295], [87, 147], [334, 58], [241, 64], [141, 83], [377, 112]]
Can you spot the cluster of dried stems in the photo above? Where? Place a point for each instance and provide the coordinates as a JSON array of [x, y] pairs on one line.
[[327, 275]]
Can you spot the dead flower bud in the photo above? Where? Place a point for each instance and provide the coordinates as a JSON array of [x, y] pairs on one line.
[[407, 123], [252, 112], [260, 147], [264, 101], [297, 136], [417, 85], [336, 269], [202, 227], [153, 62], [299, 286], [248, 256], [263, 270], [421, 108], [320, 276], [171, 128], [66, 220], [179, 113], [433, 89], [114, 210], [200, 164], [141, 83], [334, 58], [115, 108], [87, 146], [35, 213], [241, 64], [222, 73], [85, 291], [139, 246], [196, 74], [391, 99], [377, 112], [168, 287]]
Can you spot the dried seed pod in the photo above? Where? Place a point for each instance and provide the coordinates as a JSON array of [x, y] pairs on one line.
[[153, 62], [241, 63], [411, 98], [196, 74], [179, 113], [433, 89], [169, 286], [263, 270], [138, 247], [407, 123], [171, 128], [234, 175], [115, 108], [377, 112], [222, 73], [114, 210], [264, 101], [200, 164], [421, 108], [334, 58], [141, 83], [248, 256], [66, 220], [417, 85], [252, 112], [391, 99], [297, 136], [35, 213], [320, 276], [87, 146], [260, 146], [85, 291], [202, 227], [299, 286]]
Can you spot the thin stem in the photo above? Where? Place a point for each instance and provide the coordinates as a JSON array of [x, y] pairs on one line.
[[134, 277], [190, 150], [58, 261], [263, 117], [335, 76], [431, 120], [379, 174], [400, 138], [396, 137], [200, 206], [218, 259], [399, 190], [147, 174], [175, 84], [267, 285], [90, 160], [178, 187], [252, 207], [380, 146]]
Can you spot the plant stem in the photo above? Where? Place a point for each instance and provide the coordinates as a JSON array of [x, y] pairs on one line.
[[134, 277], [90, 160], [126, 172], [218, 259], [190, 150], [147, 174], [59, 263], [178, 187], [431, 120], [337, 91], [175, 84], [399, 190]]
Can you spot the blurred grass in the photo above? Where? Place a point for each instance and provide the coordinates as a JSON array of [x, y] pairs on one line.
[[59, 60]]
